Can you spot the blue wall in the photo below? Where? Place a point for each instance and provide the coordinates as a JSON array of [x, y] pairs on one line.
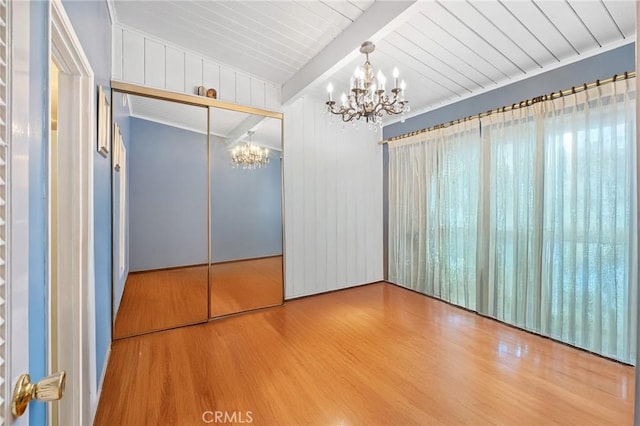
[[92, 24], [168, 196], [604, 65], [168, 189], [121, 117], [246, 208]]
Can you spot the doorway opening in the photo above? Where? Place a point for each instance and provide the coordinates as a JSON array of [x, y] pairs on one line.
[[70, 257]]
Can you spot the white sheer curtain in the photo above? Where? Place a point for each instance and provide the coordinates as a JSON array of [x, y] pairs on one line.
[[511, 236], [589, 278], [559, 219], [434, 185], [534, 224]]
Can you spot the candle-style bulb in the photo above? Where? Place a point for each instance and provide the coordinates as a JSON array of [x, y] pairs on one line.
[[403, 85], [330, 90], [344, 99], [396, 73]]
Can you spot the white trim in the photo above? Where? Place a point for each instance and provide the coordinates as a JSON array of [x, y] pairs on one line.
[[113, 17], [82, 386], [94, 407], [414, 113]]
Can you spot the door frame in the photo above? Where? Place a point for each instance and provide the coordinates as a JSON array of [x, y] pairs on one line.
[[75, 328]]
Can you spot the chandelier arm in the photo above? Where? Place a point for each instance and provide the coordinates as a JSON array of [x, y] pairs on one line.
[[355, 114], [392, 111]]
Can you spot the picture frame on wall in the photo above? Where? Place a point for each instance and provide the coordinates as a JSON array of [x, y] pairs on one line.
[[117, 147], [104, 123]]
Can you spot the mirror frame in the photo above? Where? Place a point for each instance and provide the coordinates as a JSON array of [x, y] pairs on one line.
[[119, 87]]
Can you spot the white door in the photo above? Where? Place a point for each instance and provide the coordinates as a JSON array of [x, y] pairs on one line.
[[45, 244]]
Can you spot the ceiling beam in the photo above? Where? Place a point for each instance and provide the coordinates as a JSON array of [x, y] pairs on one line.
[[264, 136], [381, 18], [239, 132]]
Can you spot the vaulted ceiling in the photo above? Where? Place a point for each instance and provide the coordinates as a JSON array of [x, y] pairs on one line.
[[270, 39], [445, 50]]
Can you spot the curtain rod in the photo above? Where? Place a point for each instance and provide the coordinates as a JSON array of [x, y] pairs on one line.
[[522, 104]]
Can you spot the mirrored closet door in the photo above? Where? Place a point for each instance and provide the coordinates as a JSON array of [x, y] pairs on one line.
[[160, 214], [196, 209], [246, 212]]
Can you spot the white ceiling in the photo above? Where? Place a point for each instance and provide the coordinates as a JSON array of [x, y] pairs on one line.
[[445, 50], [270, 39], [183, 116], [450, 50], [231, 126]]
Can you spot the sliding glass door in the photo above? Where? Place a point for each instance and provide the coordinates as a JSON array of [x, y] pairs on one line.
[[589, 272], [433, 232], [530, 221]]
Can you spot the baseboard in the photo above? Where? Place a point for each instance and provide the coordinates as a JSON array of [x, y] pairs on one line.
[[168, 268], [318, 293], [246, 260], [94, 406], [437, 299]]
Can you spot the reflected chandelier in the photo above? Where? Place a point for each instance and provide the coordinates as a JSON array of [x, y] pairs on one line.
[[249, 156], [367, 98]]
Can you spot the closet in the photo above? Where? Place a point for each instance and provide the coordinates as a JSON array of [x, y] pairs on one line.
[[197, 229]]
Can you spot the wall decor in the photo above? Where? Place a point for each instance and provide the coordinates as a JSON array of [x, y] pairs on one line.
[[104, 123]]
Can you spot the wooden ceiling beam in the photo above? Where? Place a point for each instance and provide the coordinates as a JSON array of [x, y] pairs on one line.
[[376, 22]]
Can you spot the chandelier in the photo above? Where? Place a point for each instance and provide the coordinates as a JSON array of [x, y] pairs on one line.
[[249, 156], [367, 98]]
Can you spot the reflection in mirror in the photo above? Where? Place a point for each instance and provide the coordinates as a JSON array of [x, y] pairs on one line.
[[160, 215], [246, 212]]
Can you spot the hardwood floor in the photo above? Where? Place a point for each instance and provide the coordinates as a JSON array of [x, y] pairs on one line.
[[163, 299], [244, 285], [157, 300], [376, 354]]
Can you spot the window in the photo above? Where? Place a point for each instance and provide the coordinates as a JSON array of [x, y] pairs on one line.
[[535, 225]]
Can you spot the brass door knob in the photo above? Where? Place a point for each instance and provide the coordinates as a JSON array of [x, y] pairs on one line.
[[50, 388]]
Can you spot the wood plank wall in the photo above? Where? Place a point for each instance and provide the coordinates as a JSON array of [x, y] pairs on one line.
[[333, 202], [142, 59], [333, 176]]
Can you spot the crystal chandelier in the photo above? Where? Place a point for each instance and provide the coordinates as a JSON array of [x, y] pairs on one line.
[[367, 98], [249, 156]]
